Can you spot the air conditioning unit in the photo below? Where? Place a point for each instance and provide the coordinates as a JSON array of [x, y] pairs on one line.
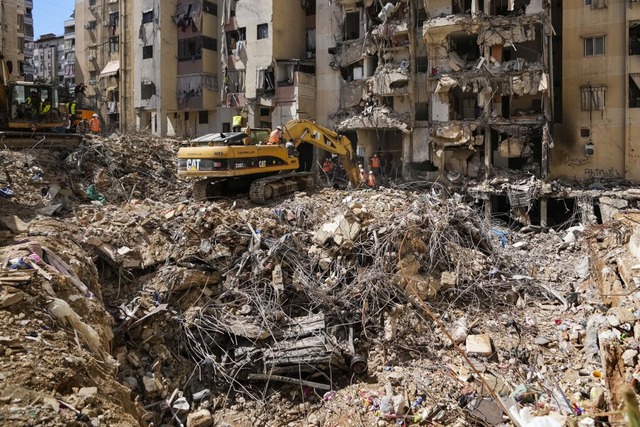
[[105, 23], [87, 26], [92, 82], [92, 7], [91, 57]]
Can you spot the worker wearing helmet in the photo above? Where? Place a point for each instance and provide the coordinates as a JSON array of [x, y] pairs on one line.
[[94, 125], [363, 175], [275, 137], [371, 181]]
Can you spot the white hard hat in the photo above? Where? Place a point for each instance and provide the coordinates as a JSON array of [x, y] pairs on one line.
[[95, 115], [279, 128]]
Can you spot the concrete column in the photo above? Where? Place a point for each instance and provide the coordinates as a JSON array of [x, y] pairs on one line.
[[544, 207], [488, 207], [488, 153], [407, 156]]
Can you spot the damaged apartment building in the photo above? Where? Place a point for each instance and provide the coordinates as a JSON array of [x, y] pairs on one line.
[[378, 106], [490, 86], [464, 86]]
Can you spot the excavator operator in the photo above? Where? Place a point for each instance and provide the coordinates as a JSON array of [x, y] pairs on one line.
[[31, 104]]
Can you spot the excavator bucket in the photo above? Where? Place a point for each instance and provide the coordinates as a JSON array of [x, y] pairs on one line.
[[19, 140]]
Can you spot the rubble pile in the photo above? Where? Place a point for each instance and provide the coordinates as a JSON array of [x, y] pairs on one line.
[[113, 170], [55, 336], [332, 308]]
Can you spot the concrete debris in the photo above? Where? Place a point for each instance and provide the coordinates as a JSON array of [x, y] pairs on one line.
[[479, 344], [361, 307]]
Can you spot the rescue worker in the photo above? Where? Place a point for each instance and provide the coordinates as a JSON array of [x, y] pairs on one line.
[[291, 148], [275, 136], [363, 175], [82, 127], [31, 102], [94, 125], [371, 182], [237, 123], [375, 164], [45, 108], [327, 166], [71, 109]]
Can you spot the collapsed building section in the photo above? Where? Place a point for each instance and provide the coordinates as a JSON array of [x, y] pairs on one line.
[[489, 84], [375, 54]]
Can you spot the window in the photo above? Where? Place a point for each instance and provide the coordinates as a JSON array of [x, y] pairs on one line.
[[191, 49], [263, 31], [209, 43], [91, 25], [114, 19], [233, 37], [422, 64], [20, 22], [634, 90], [20, 44], [422, 16], [594, 46], [592, 97], [92, 2], [147, 52], [147, 90], [147, 16], [634, 38], [352, 26], [226, 127], [597, 4], [209, 7], [114, 43], [93, 75], [203, 117], [585, 132], [186, 116]]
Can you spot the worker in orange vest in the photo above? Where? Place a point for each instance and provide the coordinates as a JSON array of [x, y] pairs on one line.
[[363, 175], [371, 182], [94, 125], [327, 166], [375, 164], [275, 137]]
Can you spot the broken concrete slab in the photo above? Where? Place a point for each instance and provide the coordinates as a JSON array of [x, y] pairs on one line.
[[14, 224], [479, 344]]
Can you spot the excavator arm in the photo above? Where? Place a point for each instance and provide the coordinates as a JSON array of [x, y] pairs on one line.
[[300, 130]]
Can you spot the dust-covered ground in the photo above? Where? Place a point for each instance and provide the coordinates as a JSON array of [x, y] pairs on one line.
[[125, 302]]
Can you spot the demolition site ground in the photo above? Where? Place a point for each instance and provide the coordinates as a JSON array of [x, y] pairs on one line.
[[125, 302]]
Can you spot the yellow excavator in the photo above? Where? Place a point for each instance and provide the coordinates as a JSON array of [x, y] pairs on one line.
[[29, 115], [229, 163]]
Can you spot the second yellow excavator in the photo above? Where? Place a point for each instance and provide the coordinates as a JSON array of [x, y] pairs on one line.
[[29, 114], [231, 162]]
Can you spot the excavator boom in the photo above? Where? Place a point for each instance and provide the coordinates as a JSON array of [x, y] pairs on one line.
[[302, 130]]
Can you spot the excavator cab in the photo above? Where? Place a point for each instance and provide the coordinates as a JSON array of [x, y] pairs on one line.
[[34, 105]]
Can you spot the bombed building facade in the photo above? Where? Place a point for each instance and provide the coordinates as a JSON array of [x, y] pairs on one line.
[[489, 85], [466, 86]]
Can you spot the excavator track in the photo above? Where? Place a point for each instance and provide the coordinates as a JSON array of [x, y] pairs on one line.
[[206, 189], [273, 187], [45, 140]]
